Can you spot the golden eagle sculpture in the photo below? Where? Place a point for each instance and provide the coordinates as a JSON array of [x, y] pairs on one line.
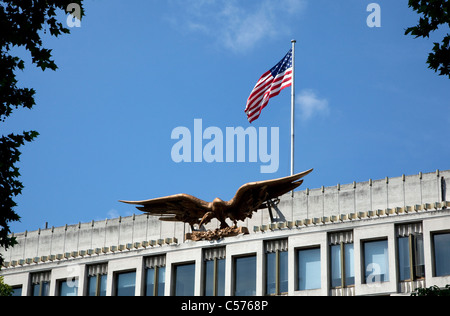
[[248, 199]]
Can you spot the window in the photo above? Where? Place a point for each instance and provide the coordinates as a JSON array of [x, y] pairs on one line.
[[184, 279], [245, 276], [155, 276], [40, 284], [376, 261], [276, 267], [342, 259], [41, 289], [97, 285], [441, 244], [404, 253], [155, 281], [97, 276], [68, 287], [17, 291], [309, 274], [125, 283], [214, 272], [411, 262]]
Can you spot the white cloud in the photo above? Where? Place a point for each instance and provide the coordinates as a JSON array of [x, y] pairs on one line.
[[310, 104], [237, 25], [113, 214]]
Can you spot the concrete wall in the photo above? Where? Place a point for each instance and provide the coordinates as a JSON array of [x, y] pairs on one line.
[[317, 236], [339, 199]]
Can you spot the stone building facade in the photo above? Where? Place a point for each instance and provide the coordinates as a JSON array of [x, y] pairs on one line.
[[379, 237]]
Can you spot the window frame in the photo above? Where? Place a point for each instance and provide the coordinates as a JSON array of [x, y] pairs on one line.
[[175, 267], [234, 274], [277, 268], [60, 283], [363, 258], [41, 285], [98, 283], [297, 258], [96, 272], [343, 265], [215, 275], [116, 280], [433, 257], [16, 290], [156, 278], [412, 257]]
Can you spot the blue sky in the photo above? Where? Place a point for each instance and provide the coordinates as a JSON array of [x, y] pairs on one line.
[[367, 106]]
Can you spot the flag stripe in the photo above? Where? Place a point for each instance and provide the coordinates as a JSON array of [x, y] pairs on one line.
[[256, 94], [260, 88], [274, 89], [274, 85], [268, 86], [272, 81]]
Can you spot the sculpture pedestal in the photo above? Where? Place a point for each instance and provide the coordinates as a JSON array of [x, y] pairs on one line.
[[217, 234]]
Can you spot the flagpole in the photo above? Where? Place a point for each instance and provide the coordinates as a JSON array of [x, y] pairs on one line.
[[292, 108]]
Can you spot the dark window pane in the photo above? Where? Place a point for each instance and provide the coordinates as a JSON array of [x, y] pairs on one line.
[[68, 288], [209, 278], [45, 288], [150, 282], [442, 254], [102, 291], [92, 285], [376, 261], [221, 277], [184, 280], [126, 283], [36, 289], [17, 291], [349, 258], [271, 273], [245, 276], [309, 276], [336, 278], [283, 272], [404, 266], [161, 280], [419, 257]]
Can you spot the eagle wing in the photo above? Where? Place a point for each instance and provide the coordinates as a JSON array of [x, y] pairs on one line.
[[250, 197], [175, 208]]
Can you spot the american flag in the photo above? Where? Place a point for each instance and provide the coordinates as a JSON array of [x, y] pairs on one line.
[[269, 85]]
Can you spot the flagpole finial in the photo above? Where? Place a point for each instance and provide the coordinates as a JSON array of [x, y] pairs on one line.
[[293, 41]]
